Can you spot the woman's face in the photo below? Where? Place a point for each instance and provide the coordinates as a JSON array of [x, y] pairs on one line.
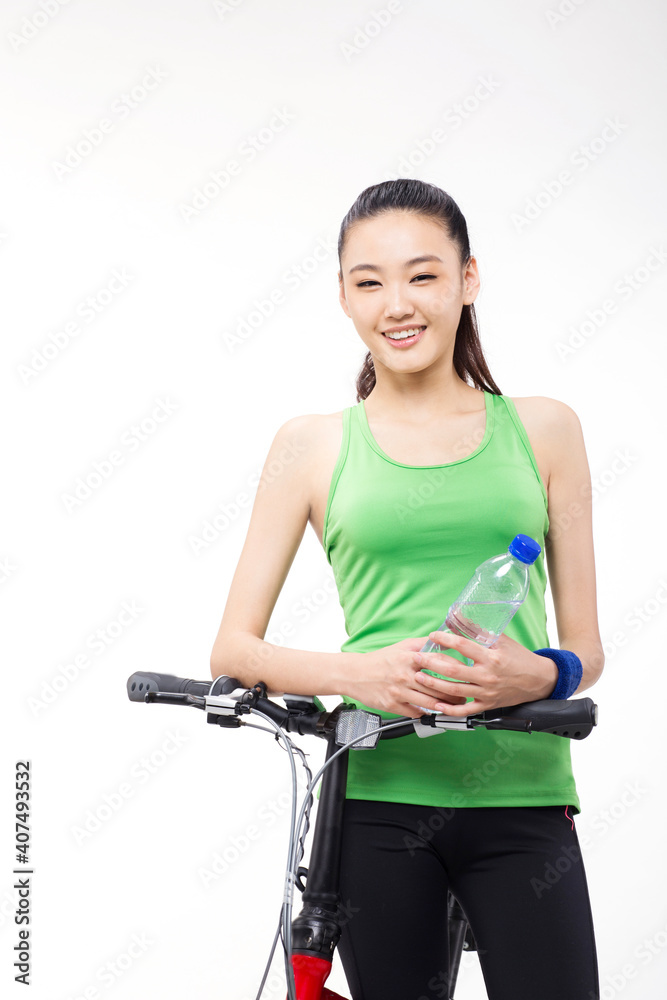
[[400, 291]]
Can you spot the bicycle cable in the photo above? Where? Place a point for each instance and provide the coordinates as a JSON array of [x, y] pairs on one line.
[[286, 910]]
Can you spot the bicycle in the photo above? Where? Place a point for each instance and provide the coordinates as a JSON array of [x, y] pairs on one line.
[[309, 940]]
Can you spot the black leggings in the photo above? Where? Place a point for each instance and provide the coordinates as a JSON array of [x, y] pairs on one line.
[[516, 871]]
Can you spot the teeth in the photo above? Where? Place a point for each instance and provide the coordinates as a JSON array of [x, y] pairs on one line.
[[402, 334]]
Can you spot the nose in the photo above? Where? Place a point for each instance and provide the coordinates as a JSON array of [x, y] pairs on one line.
[[397, 304]]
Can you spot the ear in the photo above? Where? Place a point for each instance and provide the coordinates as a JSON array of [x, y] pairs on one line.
[[471, 282]]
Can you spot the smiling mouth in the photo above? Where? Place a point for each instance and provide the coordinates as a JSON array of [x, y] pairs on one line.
[[405, 335]]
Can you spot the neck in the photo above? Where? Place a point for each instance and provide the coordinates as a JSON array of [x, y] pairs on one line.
[[420, 395]]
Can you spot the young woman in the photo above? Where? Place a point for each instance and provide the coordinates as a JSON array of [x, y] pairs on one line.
[[429, 474]]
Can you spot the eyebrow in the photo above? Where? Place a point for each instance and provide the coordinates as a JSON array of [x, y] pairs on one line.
[[425, 258]]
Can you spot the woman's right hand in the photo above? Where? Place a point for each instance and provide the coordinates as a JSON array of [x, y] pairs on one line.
[[387, 680]]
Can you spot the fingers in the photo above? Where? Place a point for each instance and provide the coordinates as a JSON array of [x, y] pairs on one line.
[[461, 707], [435, 660], [444, 697], [465, 646], [460, 711], [447, 693], [449, 668], [430, 702], [422, 705], [457, 673], [413, 644]]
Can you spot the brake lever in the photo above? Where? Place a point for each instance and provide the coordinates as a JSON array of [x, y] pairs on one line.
[[171, 698]]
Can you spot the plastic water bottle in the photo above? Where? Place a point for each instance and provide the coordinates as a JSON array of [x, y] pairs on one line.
[[490, 599]]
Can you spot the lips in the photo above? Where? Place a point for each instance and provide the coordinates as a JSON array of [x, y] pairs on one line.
[[402, 329], [405, 342]]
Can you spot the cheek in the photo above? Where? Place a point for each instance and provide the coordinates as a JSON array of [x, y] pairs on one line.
[[442, 305], [364, 314]]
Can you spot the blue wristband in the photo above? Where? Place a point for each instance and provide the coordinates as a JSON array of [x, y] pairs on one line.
[[569, 672]]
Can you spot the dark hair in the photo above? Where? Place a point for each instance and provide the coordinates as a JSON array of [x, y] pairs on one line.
[[420, 198]]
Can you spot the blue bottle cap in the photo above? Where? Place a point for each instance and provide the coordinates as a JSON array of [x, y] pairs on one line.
[[525, 548]]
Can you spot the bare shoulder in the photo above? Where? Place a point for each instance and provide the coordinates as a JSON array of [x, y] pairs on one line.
[[310, 430], [550, 421], [315, 439], [555, 435], [312, 440]]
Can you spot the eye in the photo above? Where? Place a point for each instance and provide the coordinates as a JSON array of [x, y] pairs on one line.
[[365, 284]]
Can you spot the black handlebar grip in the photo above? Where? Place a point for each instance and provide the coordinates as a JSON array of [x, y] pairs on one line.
[[574, 719], [142, 681]]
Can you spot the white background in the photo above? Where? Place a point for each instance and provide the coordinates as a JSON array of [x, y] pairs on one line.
[[362, 101]]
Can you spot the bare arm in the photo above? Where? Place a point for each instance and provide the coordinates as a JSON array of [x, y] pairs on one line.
[[508, 673], [569, 545], [278, 521]]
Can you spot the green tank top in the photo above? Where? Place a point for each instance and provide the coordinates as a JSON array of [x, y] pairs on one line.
[[402, 541]]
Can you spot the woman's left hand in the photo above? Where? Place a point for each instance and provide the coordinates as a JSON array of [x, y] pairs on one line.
[[506, 674]]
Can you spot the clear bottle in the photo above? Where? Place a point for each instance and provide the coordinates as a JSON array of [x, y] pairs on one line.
[[490, 599]]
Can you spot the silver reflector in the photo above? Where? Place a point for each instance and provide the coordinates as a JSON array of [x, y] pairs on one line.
[[355, 722]]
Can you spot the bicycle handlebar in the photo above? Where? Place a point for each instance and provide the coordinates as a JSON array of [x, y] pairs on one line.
[[226, 699], [142, 681]]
